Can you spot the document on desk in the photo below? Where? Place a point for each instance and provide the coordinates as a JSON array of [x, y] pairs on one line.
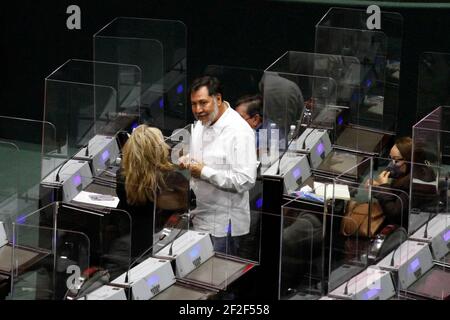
[[340, 190], [97, 199]]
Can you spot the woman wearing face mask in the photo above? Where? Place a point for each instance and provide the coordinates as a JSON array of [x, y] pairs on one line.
[[397, 178]]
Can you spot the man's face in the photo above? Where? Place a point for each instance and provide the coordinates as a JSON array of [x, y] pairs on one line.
[[254, 121], [242, 110], [205, 107]]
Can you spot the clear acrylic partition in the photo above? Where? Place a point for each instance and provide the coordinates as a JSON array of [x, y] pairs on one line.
[[20, 164], [434, 77], [284, 96], [47, 260], [71, 103], [158, 49], [172, 217], [302, 254], [112, 116], [94, 205], [345, 72], [344, 31], [430, 184], [237, 82], [353, 243], [88, 237]]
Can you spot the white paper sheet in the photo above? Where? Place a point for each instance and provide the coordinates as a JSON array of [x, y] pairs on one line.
[[340, 191], [97, 199]]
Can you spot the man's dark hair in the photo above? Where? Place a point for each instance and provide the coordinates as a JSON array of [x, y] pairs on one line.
[[211, 83], [253, 103]]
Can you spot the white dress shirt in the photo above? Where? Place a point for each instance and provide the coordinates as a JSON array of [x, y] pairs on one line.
[[227, 150]]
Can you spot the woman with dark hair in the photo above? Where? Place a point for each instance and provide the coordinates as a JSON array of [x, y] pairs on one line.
[[394, 183]]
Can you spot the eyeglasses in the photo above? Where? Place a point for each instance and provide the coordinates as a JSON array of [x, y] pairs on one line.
[[395, 159]]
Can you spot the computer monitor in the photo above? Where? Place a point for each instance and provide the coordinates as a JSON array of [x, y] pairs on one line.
[[102, 152], [294, 169], [74, 176], [314, 142]]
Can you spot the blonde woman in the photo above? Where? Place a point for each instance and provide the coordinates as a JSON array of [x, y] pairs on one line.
[[147, 177]]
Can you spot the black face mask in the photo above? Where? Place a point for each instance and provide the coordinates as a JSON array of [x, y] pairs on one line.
[[395, 171]]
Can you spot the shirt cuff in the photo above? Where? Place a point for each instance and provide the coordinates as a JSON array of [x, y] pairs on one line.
[[207, 173]]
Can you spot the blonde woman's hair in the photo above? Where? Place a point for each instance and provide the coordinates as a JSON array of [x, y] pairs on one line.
[[145, 163]]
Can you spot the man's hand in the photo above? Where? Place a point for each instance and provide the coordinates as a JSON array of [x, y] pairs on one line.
[[183, 162], [196, 169]]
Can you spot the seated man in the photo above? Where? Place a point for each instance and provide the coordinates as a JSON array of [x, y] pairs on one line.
[[250, 109]]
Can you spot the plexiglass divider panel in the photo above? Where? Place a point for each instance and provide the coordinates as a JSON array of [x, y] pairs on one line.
[[344, 31], [433, 81], [126, 80], [20, 147], [60, 242], [302, 252], [428, 219], [44, 258], [158, 49], [283, 99], [344, 72], [71, 102], [371, 225]]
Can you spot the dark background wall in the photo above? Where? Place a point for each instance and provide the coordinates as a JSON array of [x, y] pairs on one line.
[[35, 40]]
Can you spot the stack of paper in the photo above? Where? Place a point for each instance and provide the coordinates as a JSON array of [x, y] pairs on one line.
[[97, 199], [340, 191]]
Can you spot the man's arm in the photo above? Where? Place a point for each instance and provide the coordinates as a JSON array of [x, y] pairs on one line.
[[241, 173]]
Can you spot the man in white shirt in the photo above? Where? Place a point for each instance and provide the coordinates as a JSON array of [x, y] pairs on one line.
[[223, 165]]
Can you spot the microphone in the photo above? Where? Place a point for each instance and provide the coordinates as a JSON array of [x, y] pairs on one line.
[[57, 178], [446, 191], [298, 130], [393, 255], [304, 141], [92, 279], [117, 137], [295, 135], [86, 152], [425, 232], [284, 152], [181, 227], [346, 288], [173, 241], [165, 233]]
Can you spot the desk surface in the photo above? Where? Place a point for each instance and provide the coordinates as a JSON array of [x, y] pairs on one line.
[[339, 162], [184, 292], [101, 189], [434, 284], [24, 257], [218, 272], [361, 140]]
